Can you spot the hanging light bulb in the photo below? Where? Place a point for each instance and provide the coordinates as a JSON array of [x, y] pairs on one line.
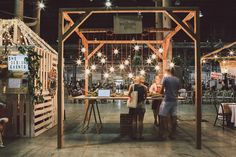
[[112, 69], [116, 51], [203, 61], [93, 67], [41, 5], [231, 52], [103, 60], [136, 47], [106, 75], [83, 49], [161, 50], [172, 65], [215, 56], [78, 62], [149, 61], [154, 56], [157, 67], [108, 4], [99, 54], [142, 72], [121, 66], [130, 75], [87, 71], [126, 62], [224, 61]]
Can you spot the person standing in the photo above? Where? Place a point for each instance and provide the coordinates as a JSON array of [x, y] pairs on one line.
[[138, 113], [170, 87], [3, 121], [156, 89]]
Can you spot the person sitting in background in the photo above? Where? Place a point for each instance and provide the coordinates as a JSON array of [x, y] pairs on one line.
[[3, 121], [156, 89], [138, 113]]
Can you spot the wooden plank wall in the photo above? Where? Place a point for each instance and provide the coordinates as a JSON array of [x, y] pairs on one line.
[[44, 115]]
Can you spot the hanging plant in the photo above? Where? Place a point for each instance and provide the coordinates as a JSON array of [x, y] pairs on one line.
[[137, 60], [34, 83]]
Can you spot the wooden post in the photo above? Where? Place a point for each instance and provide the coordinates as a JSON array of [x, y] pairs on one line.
[[198, 82], [19, 9], [60, 109], [86, 66]]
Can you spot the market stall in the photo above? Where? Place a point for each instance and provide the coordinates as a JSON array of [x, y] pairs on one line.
[[28, 80]]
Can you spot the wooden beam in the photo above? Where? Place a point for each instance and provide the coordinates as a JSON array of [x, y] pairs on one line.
[[129, 10], [125, 41], [227, 57], [95, 50], [60, 100], [181, 24], [198, 83], [219, 50], [154, 50], [178, 27], [76, 25]]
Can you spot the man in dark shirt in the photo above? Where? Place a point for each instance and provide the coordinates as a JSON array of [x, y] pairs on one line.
[[170, 87]]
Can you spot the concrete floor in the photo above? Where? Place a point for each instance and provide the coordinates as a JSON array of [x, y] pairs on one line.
[[215, 141]]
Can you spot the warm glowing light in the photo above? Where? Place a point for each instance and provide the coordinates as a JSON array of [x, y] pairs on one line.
[[154, 56], [41, 5], [172, 64], [231, 52], [126, 62], [215, 56], [106, 75], [121, 66], [130, 75], [224, 62], [157, 67], [93, 67], [87, 71], [149, 61], [78, 62], [112, 69], [99, 54], [136, 47], [161, 50], [203, 61], [142, 72], [83, 49], [103, 60], [108, 4], [116, 51]]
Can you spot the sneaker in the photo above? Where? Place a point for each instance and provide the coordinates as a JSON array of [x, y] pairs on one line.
[[2, 146]]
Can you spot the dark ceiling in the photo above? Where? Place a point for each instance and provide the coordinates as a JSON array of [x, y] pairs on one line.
[[217, 23]]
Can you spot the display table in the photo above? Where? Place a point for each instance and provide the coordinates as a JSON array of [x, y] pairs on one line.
[[93, 108]]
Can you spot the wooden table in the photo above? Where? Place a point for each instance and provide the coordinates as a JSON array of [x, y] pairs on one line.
[[93, 107]]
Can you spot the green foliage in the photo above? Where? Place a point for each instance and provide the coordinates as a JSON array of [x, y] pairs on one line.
[[137, 60], [34, 83]]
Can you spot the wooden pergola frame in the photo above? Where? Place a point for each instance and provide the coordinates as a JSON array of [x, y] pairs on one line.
[[74, 27]]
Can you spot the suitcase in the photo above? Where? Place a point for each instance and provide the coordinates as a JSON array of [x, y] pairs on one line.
[[125, 124]]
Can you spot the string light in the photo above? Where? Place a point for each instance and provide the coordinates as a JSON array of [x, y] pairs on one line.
[[41, 5], [154, 56], [108, 4], [79, 62], [130, 75], [87, 71], [121, 66], [142, 72], [215, 56], [161, 50], [106, 75], [136, 47], [83, 49], [103, 60], [149, 61], [157, 67], [231, 52], [112, 69], [126, 62], [99, 54], [116, 51], [93, 67], [204, 61], [172, 65]]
